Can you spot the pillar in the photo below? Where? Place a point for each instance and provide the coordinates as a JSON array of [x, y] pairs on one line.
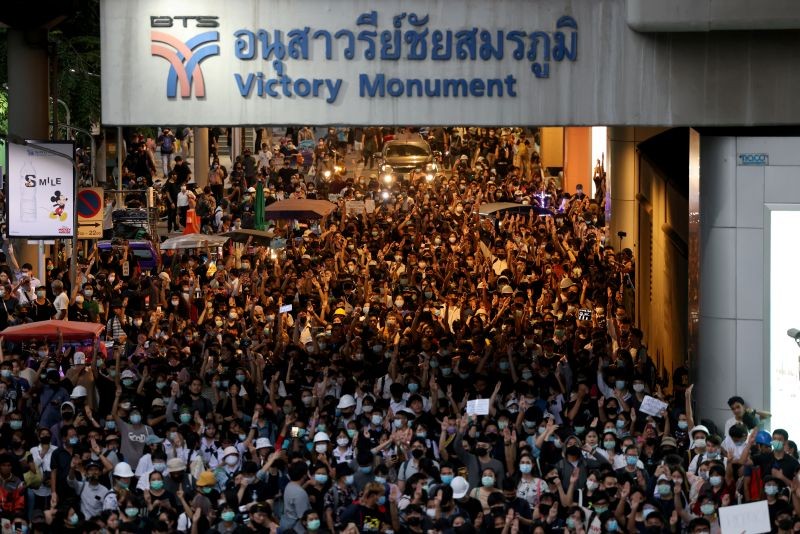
[[578, 158], [621, 179], [201, 157], [28, 113], [716, 366]]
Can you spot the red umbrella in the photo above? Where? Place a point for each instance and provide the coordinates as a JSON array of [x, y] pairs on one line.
[[70, 331]]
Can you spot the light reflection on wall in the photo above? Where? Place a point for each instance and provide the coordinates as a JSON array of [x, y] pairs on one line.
[[784, 314]]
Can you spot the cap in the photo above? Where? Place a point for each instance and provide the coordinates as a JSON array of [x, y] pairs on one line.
[[206, 478], [460, 487], [251, 189], [507, 290], [127, 373], [67, 404], [305, 257], [158, 401], [464, 157], [669, 441], [340, 311], [78, 392], [566, 282], [176, 465], [152, 439], [763, 438], [263, 443], [347, 401], [92, 463], [123, 469], [164, 276], [229, 451], [321, 436]]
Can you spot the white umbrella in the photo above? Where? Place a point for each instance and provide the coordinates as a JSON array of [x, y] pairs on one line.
[[193, 241]]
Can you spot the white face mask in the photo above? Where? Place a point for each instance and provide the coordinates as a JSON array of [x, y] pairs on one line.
[[231, 460], [342, 442], [321, 448]]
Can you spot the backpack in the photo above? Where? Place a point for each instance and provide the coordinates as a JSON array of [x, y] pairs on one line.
[[202, 208], [167, 144]]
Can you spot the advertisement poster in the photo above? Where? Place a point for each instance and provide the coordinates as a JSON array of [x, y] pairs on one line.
[[41, 188]]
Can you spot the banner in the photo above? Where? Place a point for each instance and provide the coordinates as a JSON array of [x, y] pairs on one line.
[[429, 62], [41, 190]]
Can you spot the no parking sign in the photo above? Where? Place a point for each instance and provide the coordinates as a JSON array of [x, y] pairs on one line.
[[89, 205]]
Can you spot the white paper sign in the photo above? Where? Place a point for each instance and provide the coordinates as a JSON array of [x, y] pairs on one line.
[[370, 205], [478, 407], [355, 207], [750, 518], [652, 406], [41, 190]]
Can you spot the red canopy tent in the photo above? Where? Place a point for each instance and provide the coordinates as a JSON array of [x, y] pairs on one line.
[[70, 331]]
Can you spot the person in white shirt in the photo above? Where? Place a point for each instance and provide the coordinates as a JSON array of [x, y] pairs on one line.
[[183, 205], [61, 302], [264, 155]]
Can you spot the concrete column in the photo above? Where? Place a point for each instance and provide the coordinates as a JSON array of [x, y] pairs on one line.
[[28, 115], [717, 328], [201, 157], [622, 181]]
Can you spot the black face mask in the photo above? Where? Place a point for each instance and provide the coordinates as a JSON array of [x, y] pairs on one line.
[[417, 453], [482, 451], [45, 440], [785, 524]]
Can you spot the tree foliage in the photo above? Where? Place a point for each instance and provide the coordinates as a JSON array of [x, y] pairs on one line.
[[76, 44]]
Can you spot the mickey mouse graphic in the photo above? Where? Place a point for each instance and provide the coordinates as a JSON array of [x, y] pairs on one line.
[[59, 202]]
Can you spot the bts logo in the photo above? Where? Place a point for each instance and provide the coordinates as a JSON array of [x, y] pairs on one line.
[[201, 21], [184, 58]]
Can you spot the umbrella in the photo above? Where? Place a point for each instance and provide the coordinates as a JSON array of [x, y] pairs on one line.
[[260, 237], [299, 209], [258, 221], [193, 241], [70, 331]]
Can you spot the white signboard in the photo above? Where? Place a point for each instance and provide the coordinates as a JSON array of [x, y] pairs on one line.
[[478, 407], [652, 406], [750, 518], [41, 190]]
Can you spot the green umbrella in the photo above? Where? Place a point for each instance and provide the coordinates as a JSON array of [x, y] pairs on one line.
[[258, 221]]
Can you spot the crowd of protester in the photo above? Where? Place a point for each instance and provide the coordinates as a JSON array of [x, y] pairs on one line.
[[326, 386]]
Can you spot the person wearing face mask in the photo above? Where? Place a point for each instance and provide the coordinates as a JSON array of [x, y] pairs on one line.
[[339, 497], [89, 487], [61, 464], [228, 467], [41, 308], [134, 429], [479, 459], [156, 460]]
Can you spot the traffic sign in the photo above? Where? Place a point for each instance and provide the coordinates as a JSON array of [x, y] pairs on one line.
[[89, 206]]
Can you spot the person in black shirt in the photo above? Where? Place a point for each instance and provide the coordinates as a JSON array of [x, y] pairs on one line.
[[8, 305], [182, 170], [42, 309]]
